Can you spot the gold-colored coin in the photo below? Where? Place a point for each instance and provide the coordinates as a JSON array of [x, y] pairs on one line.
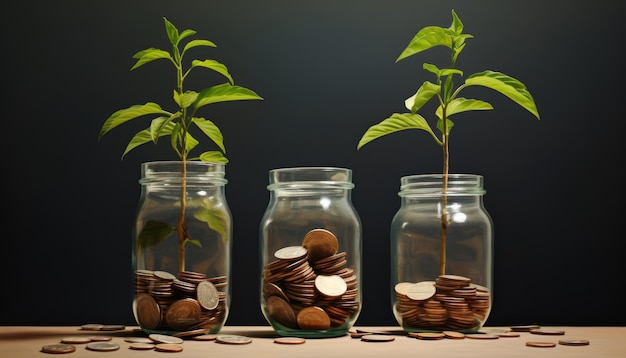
[[281, 311], [141, 346], [58, 348], [541, 344], [289, 340], [168, 347], [314, 318], [574, 342], [428, 335], [320, 243], [454, 334], [207, 294], [183, 314], [76, 340], [147, 311]]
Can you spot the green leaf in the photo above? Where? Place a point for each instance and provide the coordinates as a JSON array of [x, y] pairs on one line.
[[196, 43], [212, 65], [186, 99], [449, 125], [191, 142], [161, 126], [397, 122], [149, 55], [213, 157], [457, 26], [211, 130], [224, 93], [152, 233], [124, 115], [193, 242], [150, 134], [427, 91], [461, 104], [216, 217], [185, 34], [426, 38], [508, 86], [172, 32]]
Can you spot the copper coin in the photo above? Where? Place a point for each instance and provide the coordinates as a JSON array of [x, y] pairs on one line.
[[207, 295], [377, 338], [113, 327], [92, 327], [100, 338], [481, 336], [138, 340], [541, 344], [232, 339], [454, 334], [428, 335], [281, 311], [103, 346], [320, 243], [574, 342], [525, 328], [58, 348], [168, 347], [547, 332], [141, 346], [147, 311], [75, 340], [314, 318], [508, 334], [289, 340], [183, 314]]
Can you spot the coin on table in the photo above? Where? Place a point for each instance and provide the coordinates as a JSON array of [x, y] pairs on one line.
[[574, 342], [454, 334], [377, 338], [232, 339], [191, 333], [92, 327], [482, 336], [142, 346], [147, 310], [164, 338], [314, 318], [320, 244], [289, 340], [58, 348], [75, 340], [168, 347], [100, 338], [204, 337], [207, 294], [547, 332], [524, 328], [290, 253], [541, 344], [428, 335], [103, 346], [421, 291], [138, 340], [508, 334], [113, 327], [331, 285]]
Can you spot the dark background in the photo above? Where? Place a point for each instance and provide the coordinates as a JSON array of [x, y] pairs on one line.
[[327, 71]]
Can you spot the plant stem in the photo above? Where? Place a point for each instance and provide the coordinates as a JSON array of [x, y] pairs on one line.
[[181, 227], [444, 198]]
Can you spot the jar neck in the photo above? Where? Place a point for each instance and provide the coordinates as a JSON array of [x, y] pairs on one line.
[[438, 185], [310, 179], [171, 173]]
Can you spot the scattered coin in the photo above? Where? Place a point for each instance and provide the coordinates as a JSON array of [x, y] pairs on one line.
[[141, 346], [168, 347], [232, 339], [100, 338], [192, 333], [163, 338], [574, 342], [481, 336], [508, 334], [377, 338], [525, 328], [547, 332], [541, 344], [358, 334], [58, 348], [289, 340], [103, 346], [138, 340], [113, 327], [75, 340], [454, 334], [427, 335], [205, 337], [92, 327]]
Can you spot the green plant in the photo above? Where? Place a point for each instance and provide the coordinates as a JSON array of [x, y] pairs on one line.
[[177, 124], [450, 103]]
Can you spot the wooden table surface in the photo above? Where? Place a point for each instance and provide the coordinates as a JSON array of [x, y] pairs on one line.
[[27, 341]]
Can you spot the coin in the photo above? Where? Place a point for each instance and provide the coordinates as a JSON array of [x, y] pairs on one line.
[[454, 334], [163, 338], [314, 318], [481, 336], [574, 342], [183, 314], [141, 346], [421, 291], [192, 333], [168, 347], [205, 337], [103, 346], [113, 327], [147, 310], [547, 332], [232, 339], [100, 338], [281, 311], [541, 344], [92, 327], [75, 340], [289, 340], [377, 338], [138, 340], [330, 286], [508, 334], [524, 328], [320, 244], [427, 335], [290, 253], [164, 275], [58, 348], [207, 294]]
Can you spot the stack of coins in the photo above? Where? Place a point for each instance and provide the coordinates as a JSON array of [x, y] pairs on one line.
[[309, 287], [451, 302], [189, 301]]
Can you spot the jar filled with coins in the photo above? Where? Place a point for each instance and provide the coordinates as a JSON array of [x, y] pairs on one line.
[[181, 248], [441, 254], [310, 240]]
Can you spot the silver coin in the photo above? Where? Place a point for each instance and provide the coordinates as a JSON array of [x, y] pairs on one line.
[[290, 252], [207, 294], [232, 339], [138, 340], [163, 338], [103, 346]]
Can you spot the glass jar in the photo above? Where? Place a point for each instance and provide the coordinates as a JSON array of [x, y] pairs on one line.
[[181, 248], [441, 254], [310, 240]]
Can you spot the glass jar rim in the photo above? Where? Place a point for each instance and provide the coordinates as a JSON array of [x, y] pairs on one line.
[[432, 184], [197, 172], [310, 177]]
